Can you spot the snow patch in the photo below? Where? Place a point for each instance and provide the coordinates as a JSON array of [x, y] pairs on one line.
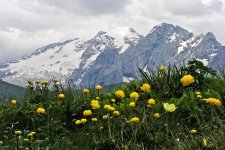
[[204, 61], [127, 79], [124, 48], [173, 37]]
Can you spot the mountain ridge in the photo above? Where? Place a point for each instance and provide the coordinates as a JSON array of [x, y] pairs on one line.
[[90, 62]]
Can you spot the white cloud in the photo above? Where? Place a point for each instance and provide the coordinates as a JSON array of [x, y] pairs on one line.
[[26, 25]]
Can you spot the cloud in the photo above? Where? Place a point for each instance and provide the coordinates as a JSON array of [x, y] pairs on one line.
[[192, 8], [26, 25]]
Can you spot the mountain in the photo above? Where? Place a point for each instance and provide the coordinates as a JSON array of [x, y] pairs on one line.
[[112, 57], [10, 91]]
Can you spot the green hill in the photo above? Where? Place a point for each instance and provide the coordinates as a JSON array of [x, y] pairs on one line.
[[10, 91]]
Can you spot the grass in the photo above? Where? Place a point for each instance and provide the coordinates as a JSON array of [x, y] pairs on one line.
[[191, 121]]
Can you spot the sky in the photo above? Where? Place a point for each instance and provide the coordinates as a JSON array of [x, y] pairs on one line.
[[26, 25]]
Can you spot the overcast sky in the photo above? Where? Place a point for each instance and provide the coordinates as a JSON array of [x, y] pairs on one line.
[[26, 25]]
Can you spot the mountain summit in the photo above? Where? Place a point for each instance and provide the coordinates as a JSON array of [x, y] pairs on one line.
[[112, 57]]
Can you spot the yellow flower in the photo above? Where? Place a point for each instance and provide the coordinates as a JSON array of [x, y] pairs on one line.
[[132, 104], [94, 102], [41, 110], [95, 106], [116, 113], [29, 135], [26, 140], [46, 139], [198, 93], [101, 127], [1, 142], [86, 91], [97, 98], [187, 80], [204, 142], [113, 100], [61, 96], [30, 82], [94, 119], [105, 117], [37, 81], [169, 107], [87, 113], [78, 122], [111, 108], [18, 132], [83, 121], [146, 87], [151, 101], [213, 101], [120, 94], [199, 96], [134, 95], [26, 148], [56, 80], [33, 133], [156, 115], [193, 131], [13, 102], [98, 87], [162, 68], [107, 107], [134, 120], [45, 82]]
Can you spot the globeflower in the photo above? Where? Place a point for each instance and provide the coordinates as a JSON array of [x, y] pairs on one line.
[[18, 132], [98, 87], [78, 122], [134, 95], [199, 96], [193, 131], [83, 121], [213, 101], [156, 115], [113, 100], [86, 91], [30, 82], [87, 113], [61, 96], [151, 102], [29, 135], [134, 120], [95, 106], [26, 140], [94, 119], [146, 87], [41, 110], [169, 107], [105, 117], [107, 107], [162, 68], [45, 82], [198, 93], [132, 104], [187, 80], [111, 108], [120, 94], [13, 102], [116, 113]]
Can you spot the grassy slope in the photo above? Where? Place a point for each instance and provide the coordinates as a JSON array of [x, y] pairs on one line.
[[10, 91]]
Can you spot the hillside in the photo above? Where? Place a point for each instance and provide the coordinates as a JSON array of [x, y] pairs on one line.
[[10, 91]]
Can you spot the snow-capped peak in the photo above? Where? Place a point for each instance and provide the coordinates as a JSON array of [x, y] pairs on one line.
[[123, 34]]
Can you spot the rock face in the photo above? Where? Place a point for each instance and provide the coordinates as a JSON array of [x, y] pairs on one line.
[[112, 57]]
